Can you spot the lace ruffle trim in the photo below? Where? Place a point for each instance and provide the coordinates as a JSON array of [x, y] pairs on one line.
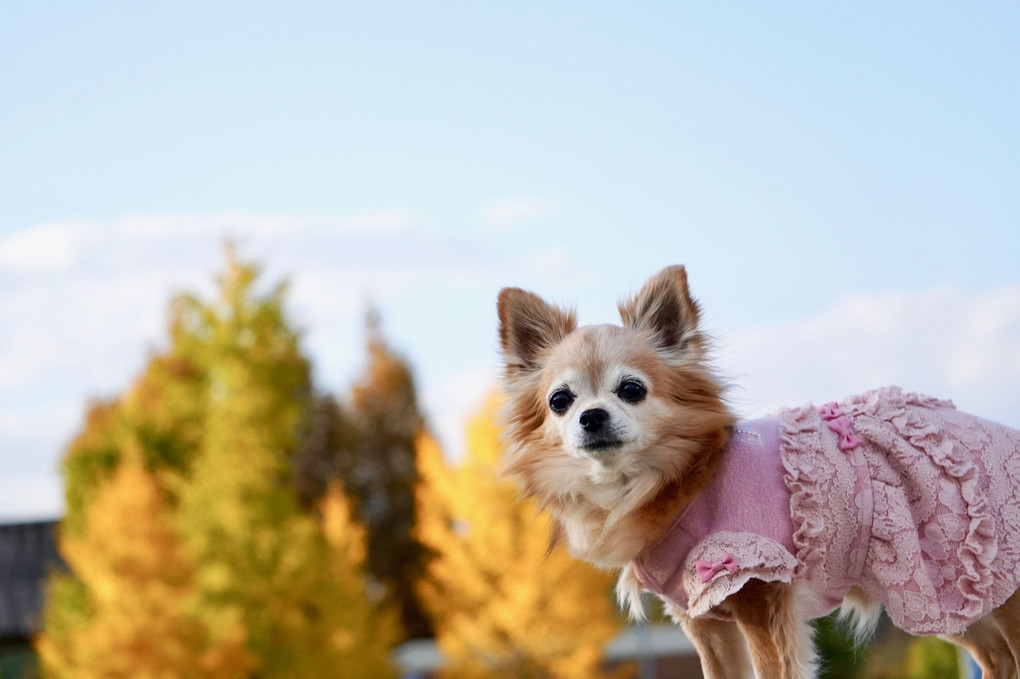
[[914, 419], [754, 556], [807, 479]]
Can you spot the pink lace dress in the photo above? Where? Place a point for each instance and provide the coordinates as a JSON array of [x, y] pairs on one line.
[[901, 494]]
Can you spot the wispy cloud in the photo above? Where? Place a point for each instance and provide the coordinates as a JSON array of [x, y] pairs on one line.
[[946, 343], [505, 215]]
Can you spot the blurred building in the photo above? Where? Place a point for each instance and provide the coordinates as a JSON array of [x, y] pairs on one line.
[[28, 553], [657, 651]]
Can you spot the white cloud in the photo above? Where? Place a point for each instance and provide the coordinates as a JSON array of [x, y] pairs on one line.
[[965, 347], [450, 403], [377, 223], [30, 484], [46, 248]]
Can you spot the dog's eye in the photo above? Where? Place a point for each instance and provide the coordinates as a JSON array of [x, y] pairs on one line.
[[560, 401], [631, 391]]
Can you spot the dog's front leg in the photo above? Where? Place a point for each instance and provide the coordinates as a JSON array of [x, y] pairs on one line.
[[719, 644], [780, 642]]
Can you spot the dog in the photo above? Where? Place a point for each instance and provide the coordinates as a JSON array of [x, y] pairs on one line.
[[748, 530]]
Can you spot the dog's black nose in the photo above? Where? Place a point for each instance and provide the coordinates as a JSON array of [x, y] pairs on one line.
[[592, 420]]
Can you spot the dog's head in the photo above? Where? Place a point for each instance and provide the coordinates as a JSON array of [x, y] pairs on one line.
[[592, 408]]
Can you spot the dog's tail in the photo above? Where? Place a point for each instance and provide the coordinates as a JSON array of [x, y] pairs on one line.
[[859, 614]]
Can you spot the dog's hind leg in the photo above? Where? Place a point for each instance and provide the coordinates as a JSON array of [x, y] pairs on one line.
[[1007, 619], [719, 643], [990, 649]]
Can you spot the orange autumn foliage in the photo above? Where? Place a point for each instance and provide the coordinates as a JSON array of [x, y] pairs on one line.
[[503, 604], [142, 624]]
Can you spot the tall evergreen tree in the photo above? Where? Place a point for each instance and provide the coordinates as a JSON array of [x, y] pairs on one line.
[[378, 466], [260, 557], [214, 422], [505, 606], [327, 435]]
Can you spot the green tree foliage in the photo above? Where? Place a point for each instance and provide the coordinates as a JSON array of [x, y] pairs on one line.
[[892, 654], [215, 422], [898, 655], [261, 558], [840, 657], [932, 658]]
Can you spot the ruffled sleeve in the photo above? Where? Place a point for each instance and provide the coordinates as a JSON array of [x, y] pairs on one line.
[[723, 562]]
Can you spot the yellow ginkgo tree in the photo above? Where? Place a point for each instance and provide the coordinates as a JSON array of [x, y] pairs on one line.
[[503, 603], [140, 591]]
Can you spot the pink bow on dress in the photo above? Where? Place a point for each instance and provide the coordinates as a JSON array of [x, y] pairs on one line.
[[708, 569], [838, 422], [847, 438]]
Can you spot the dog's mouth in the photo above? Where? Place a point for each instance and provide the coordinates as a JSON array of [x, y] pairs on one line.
[[598, 445]]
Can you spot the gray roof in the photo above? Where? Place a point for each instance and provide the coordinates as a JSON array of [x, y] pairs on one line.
[[28, 553]]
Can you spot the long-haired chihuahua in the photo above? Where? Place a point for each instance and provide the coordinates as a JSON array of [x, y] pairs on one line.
[[747, 530]]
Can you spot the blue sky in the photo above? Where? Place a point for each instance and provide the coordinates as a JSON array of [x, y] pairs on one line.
[[841, 181]]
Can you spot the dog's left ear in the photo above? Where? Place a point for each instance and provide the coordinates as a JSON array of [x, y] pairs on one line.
[[666, 312]]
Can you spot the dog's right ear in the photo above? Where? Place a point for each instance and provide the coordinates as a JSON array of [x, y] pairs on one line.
[[528, 327]]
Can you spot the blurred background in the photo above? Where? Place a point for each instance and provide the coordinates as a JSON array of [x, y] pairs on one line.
[[249, 254]]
